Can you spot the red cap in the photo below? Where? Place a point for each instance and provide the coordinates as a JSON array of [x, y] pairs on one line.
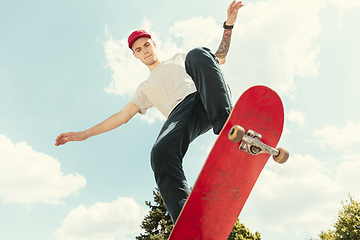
[[137, 34]]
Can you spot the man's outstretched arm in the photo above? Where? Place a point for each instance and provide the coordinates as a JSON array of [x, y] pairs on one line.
[[111, 123], [225, 41]]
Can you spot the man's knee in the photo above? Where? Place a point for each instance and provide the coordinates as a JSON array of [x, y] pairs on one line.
[[197, 54], [162, 158], [156, 157], [200, 57]]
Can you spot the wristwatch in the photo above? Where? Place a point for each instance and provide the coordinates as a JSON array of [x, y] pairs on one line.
[[228, 27]]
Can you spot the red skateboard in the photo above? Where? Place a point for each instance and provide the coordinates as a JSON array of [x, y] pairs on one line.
[[233, 166]]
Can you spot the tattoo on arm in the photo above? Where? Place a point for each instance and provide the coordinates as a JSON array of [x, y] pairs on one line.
[[224, 45]]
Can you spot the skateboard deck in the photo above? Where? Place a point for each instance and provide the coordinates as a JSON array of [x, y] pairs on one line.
[[229, 174]]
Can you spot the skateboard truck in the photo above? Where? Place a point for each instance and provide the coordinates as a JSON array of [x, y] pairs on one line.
[[252, 144]]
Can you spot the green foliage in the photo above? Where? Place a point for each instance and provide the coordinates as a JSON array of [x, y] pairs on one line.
[[327, 235], [347, 224], [158, 224], [348, 221], [240, 232]]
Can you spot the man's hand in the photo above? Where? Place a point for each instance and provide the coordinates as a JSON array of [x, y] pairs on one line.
[[232, 12], [225, 41], [70, 136]]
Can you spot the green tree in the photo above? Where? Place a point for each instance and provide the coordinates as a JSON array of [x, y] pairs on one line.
[[327, 235], [240, 232], [347, 223], [157, 224]]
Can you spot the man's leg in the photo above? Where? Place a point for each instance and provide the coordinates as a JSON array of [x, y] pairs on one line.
[[203, 67], [187, 121]]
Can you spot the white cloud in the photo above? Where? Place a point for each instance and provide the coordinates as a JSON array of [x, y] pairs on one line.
[[206, 150], [297, 117], [127, 72], [340, 139], [273, 41], [27, 176], [344, 6], [152, 115], [302, 195], [119, 219], [198, 32], [348, 173]]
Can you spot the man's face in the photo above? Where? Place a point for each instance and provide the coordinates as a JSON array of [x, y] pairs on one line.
[[145, 49]]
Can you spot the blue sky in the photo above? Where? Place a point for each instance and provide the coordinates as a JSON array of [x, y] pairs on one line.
[[64, 66]]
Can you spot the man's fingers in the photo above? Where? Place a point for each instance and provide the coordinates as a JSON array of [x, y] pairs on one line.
[[59, 142], [238, 5], [66, 139], [59, 137], [63, 138], [234, 7], [235, 4]]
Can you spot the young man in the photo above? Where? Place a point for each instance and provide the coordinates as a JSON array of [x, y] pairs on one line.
[[190, 91]]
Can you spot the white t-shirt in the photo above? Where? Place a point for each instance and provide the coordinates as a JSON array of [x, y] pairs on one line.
[[167, 85]]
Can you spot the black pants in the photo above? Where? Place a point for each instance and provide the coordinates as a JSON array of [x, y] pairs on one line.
[[209, 107]]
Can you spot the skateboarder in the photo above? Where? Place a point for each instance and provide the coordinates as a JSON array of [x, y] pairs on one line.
[[190, 90]]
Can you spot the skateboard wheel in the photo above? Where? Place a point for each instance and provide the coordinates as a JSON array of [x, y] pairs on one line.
[[236, 133], [283, 155]]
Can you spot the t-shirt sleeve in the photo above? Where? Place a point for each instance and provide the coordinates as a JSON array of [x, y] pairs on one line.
[[141, 100], [183, 55]]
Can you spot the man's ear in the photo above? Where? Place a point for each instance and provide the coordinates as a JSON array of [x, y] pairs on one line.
[[135, 55], [154, 43]]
